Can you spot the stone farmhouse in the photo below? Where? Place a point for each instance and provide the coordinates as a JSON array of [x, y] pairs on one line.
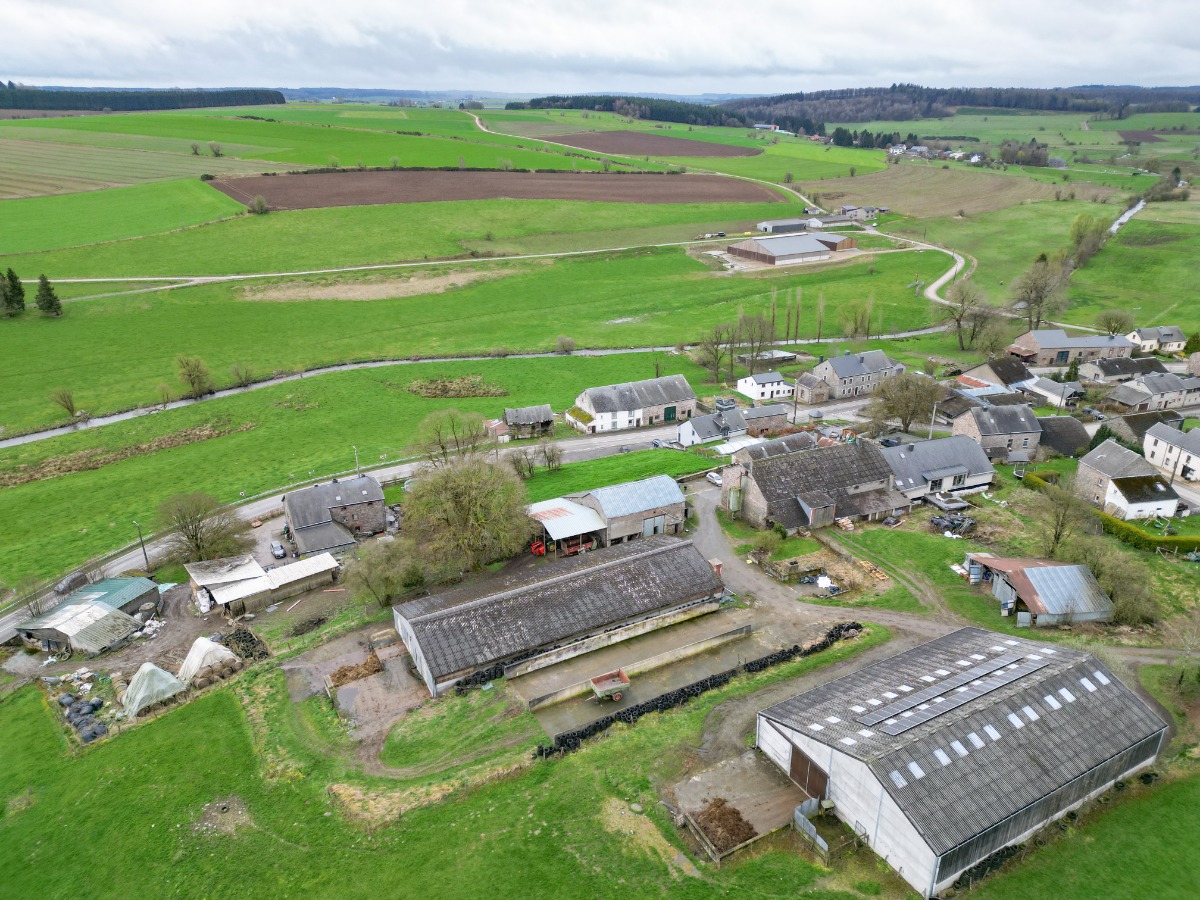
[[328, 517], [615, 407], [1164, 339], [1052, 347], [855, 374], [1001, 431]]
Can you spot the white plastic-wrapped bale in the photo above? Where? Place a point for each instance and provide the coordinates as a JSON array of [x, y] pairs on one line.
[[150, 686], [204, 660]]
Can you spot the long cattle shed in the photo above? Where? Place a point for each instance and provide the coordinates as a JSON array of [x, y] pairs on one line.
[[940, 756], [562, 608], [791, 248]]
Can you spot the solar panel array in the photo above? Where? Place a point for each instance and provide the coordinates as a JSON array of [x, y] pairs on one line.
[[936, 690], [963, 695]]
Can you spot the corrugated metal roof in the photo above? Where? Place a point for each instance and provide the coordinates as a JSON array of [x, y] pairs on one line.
[[90, 625], [224, 594], [783, 245], [223, 571], [633, 395], [996, 766], [115, 591], [564, 518], [529, 415], [637, 496]]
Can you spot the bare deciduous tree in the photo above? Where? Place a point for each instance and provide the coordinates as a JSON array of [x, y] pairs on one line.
[[242, 375], [713, 348], [523, 461], [66, 399], [903, 399], [755, 334], [214, 148], [194, 374], [1039, 293], [564, 344], [1064, 515], [855, 317], [449, 433], [551, 455], [1115, 321], [197, 526], [965, 301]]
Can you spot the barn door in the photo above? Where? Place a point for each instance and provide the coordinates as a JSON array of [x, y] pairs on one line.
[[807, 775]]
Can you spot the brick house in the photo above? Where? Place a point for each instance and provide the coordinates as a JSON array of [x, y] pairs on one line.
[[856, 373], [615, 407], [1000, 430]]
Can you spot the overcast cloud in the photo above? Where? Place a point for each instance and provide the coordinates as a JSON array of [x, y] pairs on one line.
[[543, 46]]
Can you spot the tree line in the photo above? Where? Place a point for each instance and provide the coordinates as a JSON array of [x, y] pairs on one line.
[[13, 96], [641, 108], [12, 296]]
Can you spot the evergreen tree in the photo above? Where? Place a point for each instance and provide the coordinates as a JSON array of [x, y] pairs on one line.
[[47, 300], [1193, 343], [14, 294]]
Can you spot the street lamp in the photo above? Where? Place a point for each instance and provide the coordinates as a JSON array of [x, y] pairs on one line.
[[145, 555]]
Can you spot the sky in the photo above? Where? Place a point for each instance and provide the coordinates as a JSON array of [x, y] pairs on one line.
[[569, 46]]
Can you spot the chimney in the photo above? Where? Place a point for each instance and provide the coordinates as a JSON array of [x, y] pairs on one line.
[[716, 566], [820, 359]]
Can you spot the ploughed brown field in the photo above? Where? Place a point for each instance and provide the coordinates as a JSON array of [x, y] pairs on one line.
[[373, 188], [637, 143], [1143, 137]]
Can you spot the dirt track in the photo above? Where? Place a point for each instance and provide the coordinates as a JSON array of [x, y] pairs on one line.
[[637, 143], [374, 188]]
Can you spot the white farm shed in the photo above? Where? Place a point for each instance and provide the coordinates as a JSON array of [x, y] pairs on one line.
[[940, 756]]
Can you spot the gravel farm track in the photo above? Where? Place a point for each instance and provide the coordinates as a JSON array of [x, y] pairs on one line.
[[317, 191], [637, 143]]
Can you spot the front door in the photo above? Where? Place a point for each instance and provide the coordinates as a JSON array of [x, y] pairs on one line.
[[669, 414]]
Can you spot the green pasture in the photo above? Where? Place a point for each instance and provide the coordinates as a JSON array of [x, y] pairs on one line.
[[802, 159], [307, 239], [293, 432], [597, 473], [1149, 269], [1005, 241], [114, 352], [305, 145], [539, 832], [93, 217]]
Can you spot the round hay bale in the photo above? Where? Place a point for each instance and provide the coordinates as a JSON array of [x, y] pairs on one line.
[[236, 664], [200, 683], [227, 670], [205, 671]]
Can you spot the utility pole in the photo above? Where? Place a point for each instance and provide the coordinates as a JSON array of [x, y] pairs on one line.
[[145, 555], [355, 449], [932, 416]]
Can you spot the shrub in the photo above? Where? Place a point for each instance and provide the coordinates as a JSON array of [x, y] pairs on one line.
[[768, 542]]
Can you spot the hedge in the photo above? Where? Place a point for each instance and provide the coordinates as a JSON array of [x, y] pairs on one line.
[[1123, 531]]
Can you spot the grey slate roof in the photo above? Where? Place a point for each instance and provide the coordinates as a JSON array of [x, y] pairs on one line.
[[637, 496], [792, 443], [1048, 338], [823, 476], [640, 394], [719, 424], [1145, 489], [487, 622], [1008, 369], [1115, 461], [318, 538], [529, 415], [809, 380], [976, 766], [768, 378], [766, 411], [996, 420], [1133, 426], [867, 363], [1189, 441], [1123, 366], [1168, 382], [1164, 334], [914, 464], [1064, 434], [310, 506], [1130, 394]]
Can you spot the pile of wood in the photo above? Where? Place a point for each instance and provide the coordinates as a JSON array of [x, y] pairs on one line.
[[724, 825], [877, 573], [347, 674]]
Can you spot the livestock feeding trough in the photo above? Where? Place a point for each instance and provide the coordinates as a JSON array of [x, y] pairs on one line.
[[610, 685]]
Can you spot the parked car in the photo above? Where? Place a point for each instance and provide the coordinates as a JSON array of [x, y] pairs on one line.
[[714, 478], [277, 550], [1095, 413], [656, 443]]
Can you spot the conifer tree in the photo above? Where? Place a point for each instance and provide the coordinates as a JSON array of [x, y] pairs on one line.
[[12, 292], [47, 300]]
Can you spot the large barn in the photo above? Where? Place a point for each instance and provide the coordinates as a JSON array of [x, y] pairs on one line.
[[940, 756], [791, 248]]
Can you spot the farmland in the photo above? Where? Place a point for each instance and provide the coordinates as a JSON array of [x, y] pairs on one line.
[[631, 299], [634, 143]]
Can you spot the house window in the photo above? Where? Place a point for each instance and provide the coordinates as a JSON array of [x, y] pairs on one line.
[[960, 480], [1025, 442], [935, 484]]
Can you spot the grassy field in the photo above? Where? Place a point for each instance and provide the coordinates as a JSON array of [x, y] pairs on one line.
[[1006, 241], [36, 168], [1148, 269], [47, 223], [303, 240], [255, 442], [597, 473], [931, 191], [546, 830], [115, 352]]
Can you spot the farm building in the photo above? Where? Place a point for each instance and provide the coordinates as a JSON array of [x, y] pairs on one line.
[[940, 756], [810, 389], [765, 386], [946, 464], [638, 509], [566, 527], [782, 226], [792, 443], [79, 624], [1175, 451], [126, 594], [794, 248], [1099, 467], [1005, 371], [1001, 430], [1065, 435], [149, 686], [1132, 427], [729, 421], [811, 489], [1046, 591], [560, 610], [772, 356], [529, 421], [614, 407], [1120, 369], [1165, 339], [1059, 394], [326, 517], [1052, 347], [240, 585], [854, 374]]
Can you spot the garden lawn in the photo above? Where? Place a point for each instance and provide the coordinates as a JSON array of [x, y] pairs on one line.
[[114, 353], [540, 832], [306, 239], [93, 217], [597, 473], [294, 431]]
